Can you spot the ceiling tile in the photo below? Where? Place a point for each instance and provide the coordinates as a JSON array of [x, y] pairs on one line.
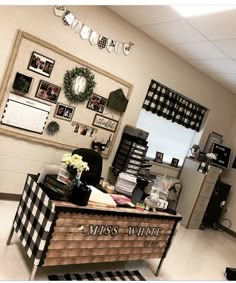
[[173, 32], [216, 26], [228, 46], [215, 66], [146, 15], [197, 50]]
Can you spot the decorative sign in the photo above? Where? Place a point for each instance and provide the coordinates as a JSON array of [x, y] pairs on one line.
[[139, 231], [86, 33], [105, 123]]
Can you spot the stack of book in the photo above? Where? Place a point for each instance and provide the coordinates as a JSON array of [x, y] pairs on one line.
[[125, 184]]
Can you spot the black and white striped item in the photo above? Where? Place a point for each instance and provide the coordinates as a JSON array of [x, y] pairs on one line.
[[168, 104], [33, 219], [134, 275]]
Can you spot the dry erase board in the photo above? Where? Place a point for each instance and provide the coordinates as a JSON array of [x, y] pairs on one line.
[[25, 113]]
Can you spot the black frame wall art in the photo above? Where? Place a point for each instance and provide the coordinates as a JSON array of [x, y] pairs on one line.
[[48, 91], [105, 123], [64, 111], [174, 162], [159, 157], [97, 103], [22, 84], [41, 64], [212, 138]]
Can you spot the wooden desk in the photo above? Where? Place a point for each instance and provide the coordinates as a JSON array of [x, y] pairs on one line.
[[60, 233]]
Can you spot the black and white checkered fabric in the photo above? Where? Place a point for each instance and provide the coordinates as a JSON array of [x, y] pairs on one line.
[[168, 104], [100, 276], [33, 219]]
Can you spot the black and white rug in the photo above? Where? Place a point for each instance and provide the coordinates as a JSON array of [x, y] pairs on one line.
[[134, 275]]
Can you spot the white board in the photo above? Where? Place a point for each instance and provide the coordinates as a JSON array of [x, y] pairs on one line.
[[25, 113]]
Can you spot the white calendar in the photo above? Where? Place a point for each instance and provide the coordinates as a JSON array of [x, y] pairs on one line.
[[25, 113]]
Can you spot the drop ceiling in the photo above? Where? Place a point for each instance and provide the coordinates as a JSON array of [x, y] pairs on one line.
[[207, 42]]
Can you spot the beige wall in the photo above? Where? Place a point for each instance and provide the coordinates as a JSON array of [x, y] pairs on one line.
[[148, 60]]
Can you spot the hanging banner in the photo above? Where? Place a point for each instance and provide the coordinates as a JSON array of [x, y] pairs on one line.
[[127, 48], [59, 11], [68, 18], [102, 42], [118, 47], [92, 36], [110, 45], [85, 32]]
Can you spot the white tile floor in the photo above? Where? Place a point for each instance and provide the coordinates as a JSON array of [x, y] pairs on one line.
[[194, 255]]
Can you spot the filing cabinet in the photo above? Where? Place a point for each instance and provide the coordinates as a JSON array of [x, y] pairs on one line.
[[196, 192]]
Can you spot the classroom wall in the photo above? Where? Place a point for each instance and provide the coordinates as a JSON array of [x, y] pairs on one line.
[[147, 60]]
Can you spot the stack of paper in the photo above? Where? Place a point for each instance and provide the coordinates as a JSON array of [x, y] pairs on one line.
[[125, 184], [99, 198]]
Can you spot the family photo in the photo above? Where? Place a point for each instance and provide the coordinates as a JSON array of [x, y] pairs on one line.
[[41, 64], [48, 91], [96, 103], [64, 112]]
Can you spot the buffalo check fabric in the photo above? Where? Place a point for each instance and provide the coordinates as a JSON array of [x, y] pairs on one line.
[[33, 219], [168, 104], [134, 275]]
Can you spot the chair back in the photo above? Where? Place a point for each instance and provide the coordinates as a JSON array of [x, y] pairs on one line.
[[94, 160]]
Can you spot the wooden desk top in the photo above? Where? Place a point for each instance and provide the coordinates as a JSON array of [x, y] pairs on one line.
[[68, 206], [117, 210]]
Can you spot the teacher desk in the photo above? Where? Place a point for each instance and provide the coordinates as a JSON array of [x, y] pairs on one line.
[[61, 233]]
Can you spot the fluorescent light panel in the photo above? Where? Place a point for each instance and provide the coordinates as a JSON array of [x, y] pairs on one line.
[[195, 10]]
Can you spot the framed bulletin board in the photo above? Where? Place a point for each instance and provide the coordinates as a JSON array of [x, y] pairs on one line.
[[44, 99]]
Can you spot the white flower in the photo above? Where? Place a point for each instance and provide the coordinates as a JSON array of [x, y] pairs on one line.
[[75, 161], [211, 156]]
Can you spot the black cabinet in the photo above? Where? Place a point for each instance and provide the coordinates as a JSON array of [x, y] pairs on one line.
[[131, 151], [216, 204]]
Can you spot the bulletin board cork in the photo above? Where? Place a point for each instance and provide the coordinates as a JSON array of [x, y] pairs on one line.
[[80, 122]]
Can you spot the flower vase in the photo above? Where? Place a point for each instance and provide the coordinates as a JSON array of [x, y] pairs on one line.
[[77, 179], [67, 190]]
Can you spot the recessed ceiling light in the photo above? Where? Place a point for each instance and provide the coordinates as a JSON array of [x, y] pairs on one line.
[[199, 10]]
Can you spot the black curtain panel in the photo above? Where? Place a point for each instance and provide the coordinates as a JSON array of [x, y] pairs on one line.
[[164, 102]]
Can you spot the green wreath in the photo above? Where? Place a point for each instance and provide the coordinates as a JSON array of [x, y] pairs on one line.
[[69, 84]]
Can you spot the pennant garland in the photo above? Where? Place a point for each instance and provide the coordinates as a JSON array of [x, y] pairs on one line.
[[92, 36], [102, 42]]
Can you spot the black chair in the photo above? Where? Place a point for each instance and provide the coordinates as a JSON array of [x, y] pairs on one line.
[[94, 160]]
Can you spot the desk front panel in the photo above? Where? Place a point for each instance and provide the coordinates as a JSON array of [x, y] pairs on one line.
[[90, 237]]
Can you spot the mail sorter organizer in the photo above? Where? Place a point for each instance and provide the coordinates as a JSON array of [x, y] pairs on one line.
[[131, 151], [60, 233]]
